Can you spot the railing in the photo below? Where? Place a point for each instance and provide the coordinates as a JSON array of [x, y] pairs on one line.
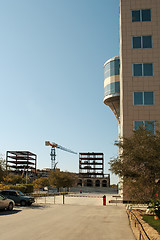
[[137, 226], [49, 197]]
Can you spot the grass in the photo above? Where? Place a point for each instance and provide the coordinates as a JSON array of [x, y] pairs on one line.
[[152, 222]]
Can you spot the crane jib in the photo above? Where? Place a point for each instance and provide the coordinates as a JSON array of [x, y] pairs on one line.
[[55, 145], [65, 149], [53, 153]]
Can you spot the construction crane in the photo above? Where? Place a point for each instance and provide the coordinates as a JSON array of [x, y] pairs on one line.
[[53, 152]]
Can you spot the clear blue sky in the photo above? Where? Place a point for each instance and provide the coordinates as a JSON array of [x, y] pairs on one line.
[[51, 71]]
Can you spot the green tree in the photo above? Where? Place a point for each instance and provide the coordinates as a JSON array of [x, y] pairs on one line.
[[2, 169], [62, 179], [1, 173], [13, 179], [139, 164], [41, 183]]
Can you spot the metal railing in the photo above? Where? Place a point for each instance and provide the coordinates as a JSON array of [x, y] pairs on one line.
[[137, 227]]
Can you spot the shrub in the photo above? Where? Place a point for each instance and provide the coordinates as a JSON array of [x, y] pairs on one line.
[[156, 207], [25, 188]]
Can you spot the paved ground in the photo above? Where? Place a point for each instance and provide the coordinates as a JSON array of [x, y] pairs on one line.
[[66, 222], [69, 222]]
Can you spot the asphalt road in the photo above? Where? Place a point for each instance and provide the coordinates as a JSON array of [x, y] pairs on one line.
[[69, 222]]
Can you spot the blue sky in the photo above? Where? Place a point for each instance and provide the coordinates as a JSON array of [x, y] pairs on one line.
[[52, 56]]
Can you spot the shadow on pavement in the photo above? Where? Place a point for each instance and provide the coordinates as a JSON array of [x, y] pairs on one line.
[[4, 212], [37, 206], [33, 206]]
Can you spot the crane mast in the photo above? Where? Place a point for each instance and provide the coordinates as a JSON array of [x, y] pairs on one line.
[[53, 152]]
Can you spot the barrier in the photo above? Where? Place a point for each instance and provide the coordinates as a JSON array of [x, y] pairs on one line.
[[137, 227], [104, 200]]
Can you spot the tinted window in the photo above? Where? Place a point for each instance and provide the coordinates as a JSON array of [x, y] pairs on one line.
[[138, 98], [112, 88], [142, 42], [148, 98], [137, 69], [117, 87], [138, 124], [111, 68], [4, 193], [141, 15], [12, 193], [136, 41], [136, 16], [147, 41], [147, 69], [150, 126], [146, 15], [143, 98]]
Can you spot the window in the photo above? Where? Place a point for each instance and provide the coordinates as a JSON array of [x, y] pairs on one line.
[[136, 42], [149, 125], [142, 42], [143, 98], [142, 69], [146, 15], [148, 98], [141, 15], [137, 69], [146, 41], [138, 98], [147, 69], [136, 16], [111, 68], [12, 193], [112, 88]]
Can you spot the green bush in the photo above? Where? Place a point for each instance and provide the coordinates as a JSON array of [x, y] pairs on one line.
[[156, 207], [19, 187], [28, 188], [25, 188]]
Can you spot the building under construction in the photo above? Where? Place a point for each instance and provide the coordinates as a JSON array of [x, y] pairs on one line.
[[91, 170], [20, 162]]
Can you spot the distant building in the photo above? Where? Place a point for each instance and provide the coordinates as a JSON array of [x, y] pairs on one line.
[[45, 172], [91, 170], [19, 162]]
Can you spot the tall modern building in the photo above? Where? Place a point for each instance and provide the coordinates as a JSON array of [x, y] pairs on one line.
[[132, 80]]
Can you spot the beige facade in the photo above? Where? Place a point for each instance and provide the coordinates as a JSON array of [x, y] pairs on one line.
[[139, 69], [129, 113]]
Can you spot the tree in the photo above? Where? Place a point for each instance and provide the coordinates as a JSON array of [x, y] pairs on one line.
[[13, 179], [62, 179], [139, 164], [41, 183], [1, 173], [2, 169]]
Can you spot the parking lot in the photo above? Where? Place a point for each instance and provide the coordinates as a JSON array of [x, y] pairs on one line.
[[66, 221]]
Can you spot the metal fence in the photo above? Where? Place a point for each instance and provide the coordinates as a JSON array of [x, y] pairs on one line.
[[76, 199], [137, 227]]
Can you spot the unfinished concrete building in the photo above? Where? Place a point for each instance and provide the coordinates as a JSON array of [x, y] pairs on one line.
[[20, 162], [91, 170]]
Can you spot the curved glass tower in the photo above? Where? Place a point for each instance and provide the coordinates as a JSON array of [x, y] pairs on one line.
[[112, 85]]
